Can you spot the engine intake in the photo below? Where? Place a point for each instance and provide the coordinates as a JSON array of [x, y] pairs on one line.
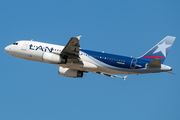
[[70, 72], [54, 58]]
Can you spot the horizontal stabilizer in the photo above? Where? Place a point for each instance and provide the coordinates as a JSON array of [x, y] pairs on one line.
[[171, 73], [156, 63]]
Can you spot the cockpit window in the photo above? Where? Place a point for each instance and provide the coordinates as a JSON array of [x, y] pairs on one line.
[[15, 43]]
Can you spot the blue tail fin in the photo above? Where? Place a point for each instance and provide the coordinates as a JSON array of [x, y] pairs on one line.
[[160, 50]]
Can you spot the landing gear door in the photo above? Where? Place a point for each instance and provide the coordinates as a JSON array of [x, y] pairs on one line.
[[133, 63], [25, 45]]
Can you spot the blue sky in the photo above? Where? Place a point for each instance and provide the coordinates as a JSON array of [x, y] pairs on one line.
[[34, 91]]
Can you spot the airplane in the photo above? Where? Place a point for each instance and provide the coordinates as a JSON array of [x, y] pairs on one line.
[[74, 61]]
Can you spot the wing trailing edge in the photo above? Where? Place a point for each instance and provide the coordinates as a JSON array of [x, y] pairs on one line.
[[111, 75]]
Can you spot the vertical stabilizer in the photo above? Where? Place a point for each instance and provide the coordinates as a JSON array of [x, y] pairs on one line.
[[160, 50]]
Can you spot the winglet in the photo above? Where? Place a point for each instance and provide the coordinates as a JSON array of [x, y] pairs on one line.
[[171, 73], [79, 37]]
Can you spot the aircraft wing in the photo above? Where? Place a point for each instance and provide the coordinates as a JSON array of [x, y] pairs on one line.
[[111, 75], [71, 50]]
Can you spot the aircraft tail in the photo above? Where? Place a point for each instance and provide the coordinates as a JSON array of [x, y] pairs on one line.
[[160, 50]]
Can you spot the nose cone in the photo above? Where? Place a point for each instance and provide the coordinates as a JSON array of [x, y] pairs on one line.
[[7, 49]]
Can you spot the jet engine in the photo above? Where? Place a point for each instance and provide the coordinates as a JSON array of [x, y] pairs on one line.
[[70, 72], [54, 58]]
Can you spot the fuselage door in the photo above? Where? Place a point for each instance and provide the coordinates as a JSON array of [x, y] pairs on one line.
[[133, 63], [25, 45]]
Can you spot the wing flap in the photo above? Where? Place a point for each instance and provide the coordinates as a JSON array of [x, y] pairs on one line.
[[111, 75]]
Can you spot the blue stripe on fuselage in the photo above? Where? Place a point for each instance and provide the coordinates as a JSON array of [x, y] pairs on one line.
[[115, 60]]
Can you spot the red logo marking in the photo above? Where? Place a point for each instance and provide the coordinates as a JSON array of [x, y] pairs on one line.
[[153, 57]]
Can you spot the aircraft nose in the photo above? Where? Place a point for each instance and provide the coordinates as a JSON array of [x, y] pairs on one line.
[[7, 49]]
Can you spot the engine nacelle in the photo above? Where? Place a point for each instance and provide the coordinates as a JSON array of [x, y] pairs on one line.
[[53, 58], [70, 72]]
